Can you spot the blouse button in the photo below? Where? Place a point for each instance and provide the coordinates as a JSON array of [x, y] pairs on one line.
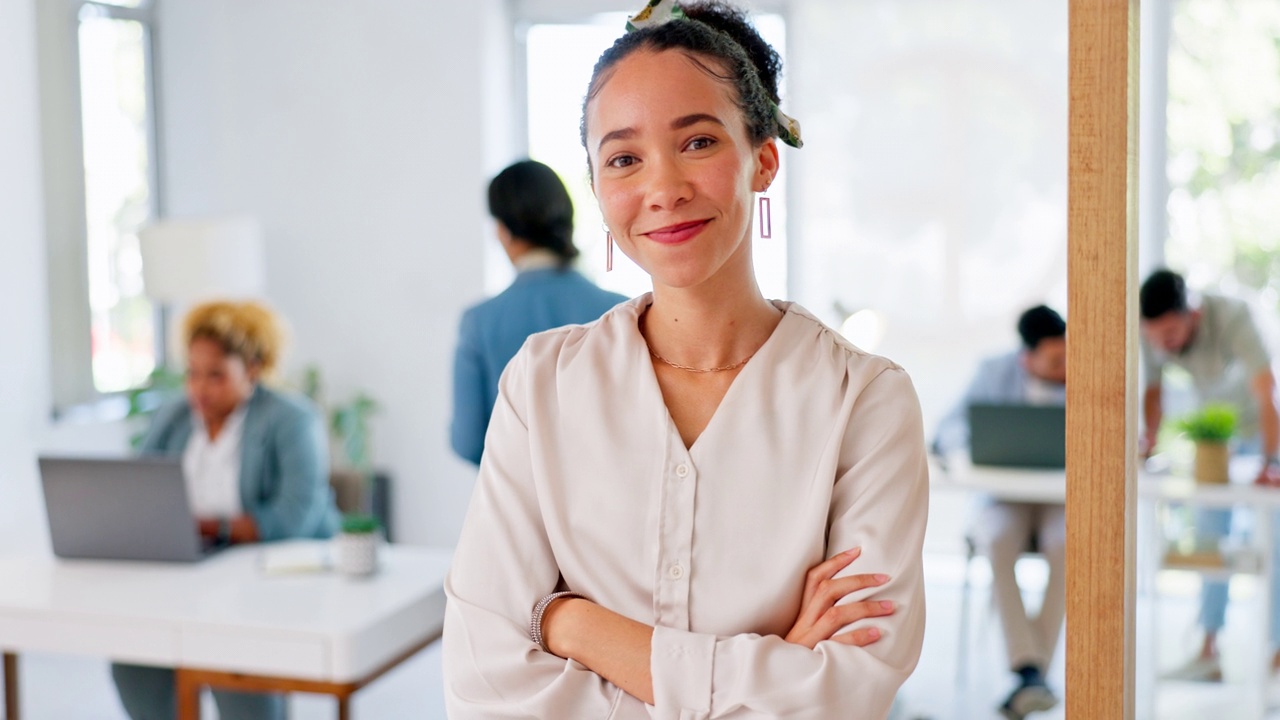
[[682, 470], [676, 572]]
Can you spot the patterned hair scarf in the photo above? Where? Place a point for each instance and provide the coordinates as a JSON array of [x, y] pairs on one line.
[[658, 12]]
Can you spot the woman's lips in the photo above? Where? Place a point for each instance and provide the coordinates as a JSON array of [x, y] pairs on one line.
[[678, 233]]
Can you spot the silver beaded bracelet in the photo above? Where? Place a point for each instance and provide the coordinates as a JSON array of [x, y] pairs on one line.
[[535, 621]]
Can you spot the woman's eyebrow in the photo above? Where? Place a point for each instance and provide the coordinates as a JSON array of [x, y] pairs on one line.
[[681, 123], [623, 134]]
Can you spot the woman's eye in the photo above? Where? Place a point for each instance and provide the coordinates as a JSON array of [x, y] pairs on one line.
[[621, 161], [700, 143]]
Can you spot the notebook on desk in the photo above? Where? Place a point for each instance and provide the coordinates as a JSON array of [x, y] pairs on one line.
[[1018, 435], [120, 509]]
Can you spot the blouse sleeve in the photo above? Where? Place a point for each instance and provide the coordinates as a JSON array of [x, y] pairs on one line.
[[502, 565], [880, 504]]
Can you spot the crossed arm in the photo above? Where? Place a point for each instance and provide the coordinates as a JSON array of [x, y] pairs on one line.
[[618, 648]]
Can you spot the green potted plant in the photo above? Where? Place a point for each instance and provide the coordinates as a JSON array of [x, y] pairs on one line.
[[356, 546], [1211, 428]]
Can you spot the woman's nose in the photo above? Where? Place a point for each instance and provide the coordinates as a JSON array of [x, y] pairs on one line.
[[669, 186]]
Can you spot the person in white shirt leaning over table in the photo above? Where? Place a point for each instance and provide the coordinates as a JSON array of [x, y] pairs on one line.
[[255, 463], [705, 504], [1217, 342], [1035, 374]]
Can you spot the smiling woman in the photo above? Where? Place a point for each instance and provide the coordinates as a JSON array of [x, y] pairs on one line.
[[705, 502]]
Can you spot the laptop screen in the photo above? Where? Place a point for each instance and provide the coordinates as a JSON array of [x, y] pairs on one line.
[[119, 509], [1018, 435]]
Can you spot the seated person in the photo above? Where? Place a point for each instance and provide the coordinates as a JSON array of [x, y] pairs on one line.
[[534, 214], [256, 467], [1033, 375]]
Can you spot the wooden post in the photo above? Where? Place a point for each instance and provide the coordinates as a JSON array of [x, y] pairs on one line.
[[1101, 358]]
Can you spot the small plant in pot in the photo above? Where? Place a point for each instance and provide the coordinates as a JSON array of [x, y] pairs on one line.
[[1211, 429], [356, 546]]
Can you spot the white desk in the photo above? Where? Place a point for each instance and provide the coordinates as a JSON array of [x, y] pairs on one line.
[[1050, 486], [1154, 490], [1027, 485], [224, 623]]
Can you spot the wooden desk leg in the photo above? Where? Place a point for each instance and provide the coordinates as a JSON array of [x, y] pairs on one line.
[[344, 707], [188, 692], [10, 686]]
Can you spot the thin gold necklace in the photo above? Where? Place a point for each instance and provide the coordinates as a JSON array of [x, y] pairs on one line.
[[678, 366], [722, 368]]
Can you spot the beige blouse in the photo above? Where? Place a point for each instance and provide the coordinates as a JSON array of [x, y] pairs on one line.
[[585, 484]]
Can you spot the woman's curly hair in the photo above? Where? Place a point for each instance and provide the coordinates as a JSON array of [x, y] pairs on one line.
[[719, 32], [247, 330]]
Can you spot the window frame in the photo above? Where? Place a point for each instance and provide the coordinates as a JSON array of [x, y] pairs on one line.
[[62, 152]]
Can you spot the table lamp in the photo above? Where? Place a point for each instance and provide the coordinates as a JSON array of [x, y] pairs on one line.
[[185, 261]]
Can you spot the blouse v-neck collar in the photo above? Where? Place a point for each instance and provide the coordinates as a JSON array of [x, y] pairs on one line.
[[654, 390]]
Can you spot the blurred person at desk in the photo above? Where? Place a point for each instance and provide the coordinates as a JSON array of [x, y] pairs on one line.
[[1217, 342], [1036, 374], [255, 463], [535, 226]]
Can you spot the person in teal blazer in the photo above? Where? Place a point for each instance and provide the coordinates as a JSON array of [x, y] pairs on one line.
[[255, 462], [535, 225], [284, 468]]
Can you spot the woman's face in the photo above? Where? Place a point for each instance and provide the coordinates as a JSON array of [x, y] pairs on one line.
[[217, 383], [674, 171]]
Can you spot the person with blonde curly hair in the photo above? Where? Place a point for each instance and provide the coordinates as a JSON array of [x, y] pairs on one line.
[[255, 463]]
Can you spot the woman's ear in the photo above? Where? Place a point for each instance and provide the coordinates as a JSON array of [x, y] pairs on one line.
[[253, 370], [767, 164]]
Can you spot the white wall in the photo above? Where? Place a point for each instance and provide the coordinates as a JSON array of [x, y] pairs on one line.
[[357, 136], [932, 185], [23, 324]]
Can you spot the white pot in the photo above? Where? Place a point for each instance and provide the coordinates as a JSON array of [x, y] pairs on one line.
[[356, 554]]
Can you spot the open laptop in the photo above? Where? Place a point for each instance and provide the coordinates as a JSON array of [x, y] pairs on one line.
[[120, 509], [1018, 435]]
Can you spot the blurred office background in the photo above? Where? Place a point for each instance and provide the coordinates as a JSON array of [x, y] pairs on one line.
[[926, 211]]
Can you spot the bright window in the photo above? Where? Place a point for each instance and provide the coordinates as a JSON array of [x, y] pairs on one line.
[[114, 66], [1224, 146]]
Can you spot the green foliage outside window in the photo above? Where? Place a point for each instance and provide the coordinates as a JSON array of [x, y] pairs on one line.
[[1224, 143]]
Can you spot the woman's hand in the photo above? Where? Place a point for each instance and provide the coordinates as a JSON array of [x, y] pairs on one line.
[[241, 529], [820, 617]]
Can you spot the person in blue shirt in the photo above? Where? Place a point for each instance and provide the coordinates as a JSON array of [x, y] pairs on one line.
[[1035, 374], [535, 225]]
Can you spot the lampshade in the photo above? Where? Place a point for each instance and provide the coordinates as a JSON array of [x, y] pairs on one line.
[[188, 260]]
